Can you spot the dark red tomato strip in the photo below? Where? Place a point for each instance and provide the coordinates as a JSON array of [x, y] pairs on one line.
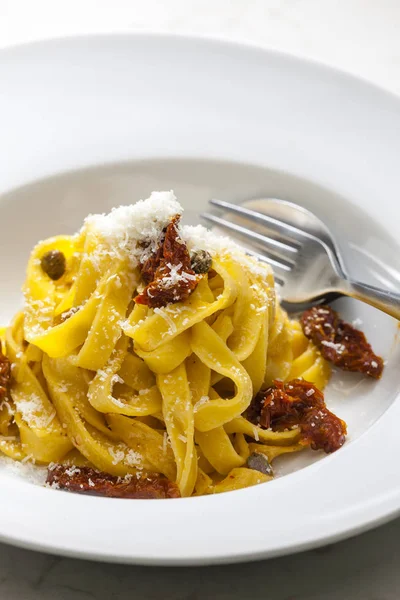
[[85, 480], [168, 272], [339, 342], [298, 402]]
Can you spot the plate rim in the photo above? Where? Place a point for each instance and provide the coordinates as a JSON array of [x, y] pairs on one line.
[[200, 37]]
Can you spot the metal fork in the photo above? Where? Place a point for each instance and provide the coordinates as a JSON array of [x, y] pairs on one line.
[[308, 268]]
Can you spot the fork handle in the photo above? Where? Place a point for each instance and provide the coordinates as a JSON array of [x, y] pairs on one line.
[[385, 300]]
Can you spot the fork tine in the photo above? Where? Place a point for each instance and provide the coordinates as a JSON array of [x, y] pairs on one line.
[[277, 225], [263, 258], [280, 252]]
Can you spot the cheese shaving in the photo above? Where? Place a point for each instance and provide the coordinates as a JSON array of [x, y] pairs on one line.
[[135, 230]]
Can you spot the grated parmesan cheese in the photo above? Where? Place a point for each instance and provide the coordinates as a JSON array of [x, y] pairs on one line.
[[175, 276], [340, 348], [131, 458], [166, 442], [144, 391], [72, 471], [200, 402], [26, 470], [357, 322], [134, 459], [135, 231], [28, 458], [117, 402], [62, 387], [117, 455], [8, 407], [30, 407], [164, 314], [51, 417], [125, 227]]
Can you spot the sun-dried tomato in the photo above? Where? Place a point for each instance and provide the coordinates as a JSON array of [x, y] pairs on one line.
[[283, 404], [5, 375], [168, 272], [323, 430], [85, 480], [149, 267], [299, 402], [339, 342]]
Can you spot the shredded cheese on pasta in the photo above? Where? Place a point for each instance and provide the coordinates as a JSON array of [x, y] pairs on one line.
[[127, 389]]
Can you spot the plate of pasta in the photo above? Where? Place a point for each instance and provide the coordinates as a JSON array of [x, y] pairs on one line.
[[158, 405]]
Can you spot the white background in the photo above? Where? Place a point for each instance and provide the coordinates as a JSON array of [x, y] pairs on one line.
[[359, 36]]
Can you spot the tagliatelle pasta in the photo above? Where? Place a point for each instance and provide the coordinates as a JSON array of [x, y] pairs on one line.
[[108, 378]]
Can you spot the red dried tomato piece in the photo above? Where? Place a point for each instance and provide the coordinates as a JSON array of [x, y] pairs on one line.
[[339, 342], [323, 430], [283, 404], [168, 272], [299, 402], [5, 375], [149, 267], [85, 480]]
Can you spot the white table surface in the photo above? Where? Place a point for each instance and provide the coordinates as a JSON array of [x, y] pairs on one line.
[[359, 36]]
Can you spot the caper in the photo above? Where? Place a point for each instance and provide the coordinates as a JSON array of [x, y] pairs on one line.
[[259, 462], [53, 264], [201, 261]]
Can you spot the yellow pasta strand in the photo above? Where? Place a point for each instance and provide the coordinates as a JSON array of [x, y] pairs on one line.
[[101, 382], [149, 443], [106, 455], [106, 327], [100, 392], [240, 478], [219, 450], [281, 438], [166, 323], [178, 415], [212, 351]]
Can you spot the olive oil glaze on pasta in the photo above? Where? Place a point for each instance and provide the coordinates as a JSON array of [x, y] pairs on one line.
[[152, 360]]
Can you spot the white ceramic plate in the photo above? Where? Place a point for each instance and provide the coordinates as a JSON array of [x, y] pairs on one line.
[[144, 112]]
